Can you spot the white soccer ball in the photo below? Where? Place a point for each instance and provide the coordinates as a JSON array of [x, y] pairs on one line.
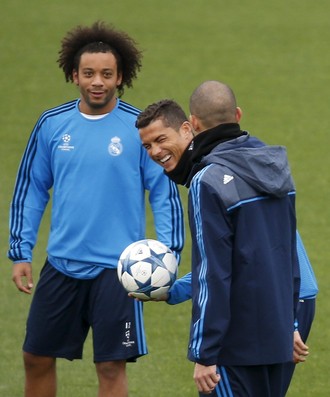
[[147, 269]]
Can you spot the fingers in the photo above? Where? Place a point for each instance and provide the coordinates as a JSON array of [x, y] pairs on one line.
[[207, 384], [22, 277], [162, 298], [300, 350], [300, 356], [206, 378]]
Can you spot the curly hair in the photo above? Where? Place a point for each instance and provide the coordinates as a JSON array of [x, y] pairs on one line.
[[100, 38]]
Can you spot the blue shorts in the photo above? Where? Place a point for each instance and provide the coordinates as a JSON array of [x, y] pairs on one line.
[[63, 309]]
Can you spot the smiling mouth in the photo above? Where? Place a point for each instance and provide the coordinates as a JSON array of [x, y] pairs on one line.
[[165, 159], [97, 93]]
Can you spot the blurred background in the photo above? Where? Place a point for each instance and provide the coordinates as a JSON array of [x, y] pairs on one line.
[[273, 54]]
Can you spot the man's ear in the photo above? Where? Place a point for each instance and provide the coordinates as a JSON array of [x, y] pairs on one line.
[[196, 124], [239, 114], [187, 130], [75, 77], [119, 79]]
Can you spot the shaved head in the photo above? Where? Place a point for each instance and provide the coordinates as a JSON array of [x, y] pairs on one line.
[[213, 103]]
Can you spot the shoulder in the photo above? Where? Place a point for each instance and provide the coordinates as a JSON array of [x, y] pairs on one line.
[[205, 179], [127, 108], [211, 175], [218, 182], [126, 111], [125, 114], [58, 112]]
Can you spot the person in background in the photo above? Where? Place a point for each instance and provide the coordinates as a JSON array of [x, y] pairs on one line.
[[89, 153], [245, 273], [305, 312]]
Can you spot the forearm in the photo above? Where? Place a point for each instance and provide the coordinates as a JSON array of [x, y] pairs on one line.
[[180, 290]]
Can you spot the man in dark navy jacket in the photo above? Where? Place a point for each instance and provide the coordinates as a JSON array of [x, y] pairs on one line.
[[245, 274]]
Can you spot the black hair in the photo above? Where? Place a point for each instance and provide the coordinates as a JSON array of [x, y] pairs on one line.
[[100, 37]]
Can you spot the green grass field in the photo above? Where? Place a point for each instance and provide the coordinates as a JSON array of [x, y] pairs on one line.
[[276, 57]]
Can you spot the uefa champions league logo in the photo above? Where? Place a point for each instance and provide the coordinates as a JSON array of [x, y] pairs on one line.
[[65, 146], [115, 147], [66, 138]]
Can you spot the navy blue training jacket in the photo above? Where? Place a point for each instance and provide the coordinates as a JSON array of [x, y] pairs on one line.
[[245, 274]]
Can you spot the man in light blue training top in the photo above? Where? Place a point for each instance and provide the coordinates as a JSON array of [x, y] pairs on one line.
[[88, 151]]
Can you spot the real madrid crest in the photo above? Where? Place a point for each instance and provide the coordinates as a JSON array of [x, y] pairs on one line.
[[115, 147]]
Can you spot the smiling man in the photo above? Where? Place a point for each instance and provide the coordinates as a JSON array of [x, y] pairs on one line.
[[245, 275], [89, 153], [97, 78], [165, 133]]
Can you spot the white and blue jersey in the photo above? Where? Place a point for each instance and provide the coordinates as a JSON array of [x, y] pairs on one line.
[[98, 172]]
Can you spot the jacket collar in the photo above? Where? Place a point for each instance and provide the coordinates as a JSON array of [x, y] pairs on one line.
[[201, 145]]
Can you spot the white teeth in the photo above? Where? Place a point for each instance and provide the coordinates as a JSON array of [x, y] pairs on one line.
[[164, 159]]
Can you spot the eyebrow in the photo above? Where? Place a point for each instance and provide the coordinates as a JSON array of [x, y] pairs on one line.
[[103, 70]]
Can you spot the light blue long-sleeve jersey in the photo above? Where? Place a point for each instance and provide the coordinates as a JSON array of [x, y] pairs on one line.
[[98, 172]]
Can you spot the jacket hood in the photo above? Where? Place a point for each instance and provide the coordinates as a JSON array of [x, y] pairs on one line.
[[265, 168]]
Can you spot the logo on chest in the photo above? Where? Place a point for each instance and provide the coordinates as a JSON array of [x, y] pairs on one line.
[[65, 146], [115, 147]]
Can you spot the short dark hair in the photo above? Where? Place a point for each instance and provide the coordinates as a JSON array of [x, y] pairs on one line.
[[100, 37], [167, 110]]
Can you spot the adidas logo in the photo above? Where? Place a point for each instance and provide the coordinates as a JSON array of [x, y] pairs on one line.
[[227, 179]]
